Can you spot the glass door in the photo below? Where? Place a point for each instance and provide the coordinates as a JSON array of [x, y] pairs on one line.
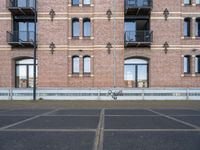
[[130, 28]]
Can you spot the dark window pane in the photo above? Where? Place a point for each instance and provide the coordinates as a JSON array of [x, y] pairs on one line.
[[87, 65], [86, 28], [198, 27], [75, 2], [187, 28]]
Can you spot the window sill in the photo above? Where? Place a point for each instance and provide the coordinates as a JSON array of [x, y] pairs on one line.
[[187, 38], [86, 5], [187, 5], [87, 75], [75, 38], [87, 38], [197, 38]]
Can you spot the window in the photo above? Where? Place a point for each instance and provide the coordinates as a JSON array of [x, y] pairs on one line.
[[24, 73], [198, 2], [197, 64], [187, 29], [86, 2], [136, 72], [197, 33], [75, 65], [75, 27], [75, 2], [86, 27], [86, 65], [187, 2], [24, 31], [187, 64]]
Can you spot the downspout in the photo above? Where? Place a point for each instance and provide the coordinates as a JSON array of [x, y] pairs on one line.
[[114, 36], [35, 54]]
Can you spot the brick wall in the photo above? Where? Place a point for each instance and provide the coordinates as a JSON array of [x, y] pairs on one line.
[[165, 70]]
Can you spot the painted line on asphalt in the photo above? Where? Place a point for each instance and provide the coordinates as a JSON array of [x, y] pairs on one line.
[[151, 130], [26, 120], [48, 130], [73, 115], [98, 141], [177, 120]]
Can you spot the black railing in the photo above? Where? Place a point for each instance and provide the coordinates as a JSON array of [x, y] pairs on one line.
[[142, 36], [138, 3], [21, 3], [20, 37]]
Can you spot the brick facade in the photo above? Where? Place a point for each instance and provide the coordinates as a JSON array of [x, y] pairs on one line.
[[165, 69]]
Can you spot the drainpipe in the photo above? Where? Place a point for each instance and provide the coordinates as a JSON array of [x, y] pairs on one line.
[[114, 35], [34, 54]]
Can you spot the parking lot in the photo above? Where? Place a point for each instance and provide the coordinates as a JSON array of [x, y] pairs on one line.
[[99, 129]]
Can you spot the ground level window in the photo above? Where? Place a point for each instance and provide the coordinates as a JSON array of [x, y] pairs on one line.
[[136, 72], [24, 73]]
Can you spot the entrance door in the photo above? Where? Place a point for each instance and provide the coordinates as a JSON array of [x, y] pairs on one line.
[[136, 73]]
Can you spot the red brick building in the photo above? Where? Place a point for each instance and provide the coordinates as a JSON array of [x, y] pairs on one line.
[[100, 43]]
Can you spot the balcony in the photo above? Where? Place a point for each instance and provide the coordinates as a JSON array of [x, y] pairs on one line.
[[138, 7], [21, 38], [141, 38], [22, 7]]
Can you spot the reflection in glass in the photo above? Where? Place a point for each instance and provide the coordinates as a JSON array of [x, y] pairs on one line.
[[75, 28], [86, 2], [75, 2], [87, 64], [186, 64], [25, 73], [142, 76], [86, 28], [136, 72], [130, 28], [75, 65]]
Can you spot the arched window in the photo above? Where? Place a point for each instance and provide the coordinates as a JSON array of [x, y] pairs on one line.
[[86, 27], [75, 2], [186, 64], [197, 64], [75, 65], [24, 73], [86, 64], [136, 72], [197, 27], [86, 2], [187, 30], [187, 2], [75, 27]]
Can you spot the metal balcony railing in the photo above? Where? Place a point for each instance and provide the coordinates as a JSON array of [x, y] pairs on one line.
[[135, 37], [138, 3], [138, 7], [22, 7], [21, 3], [23, 38]]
